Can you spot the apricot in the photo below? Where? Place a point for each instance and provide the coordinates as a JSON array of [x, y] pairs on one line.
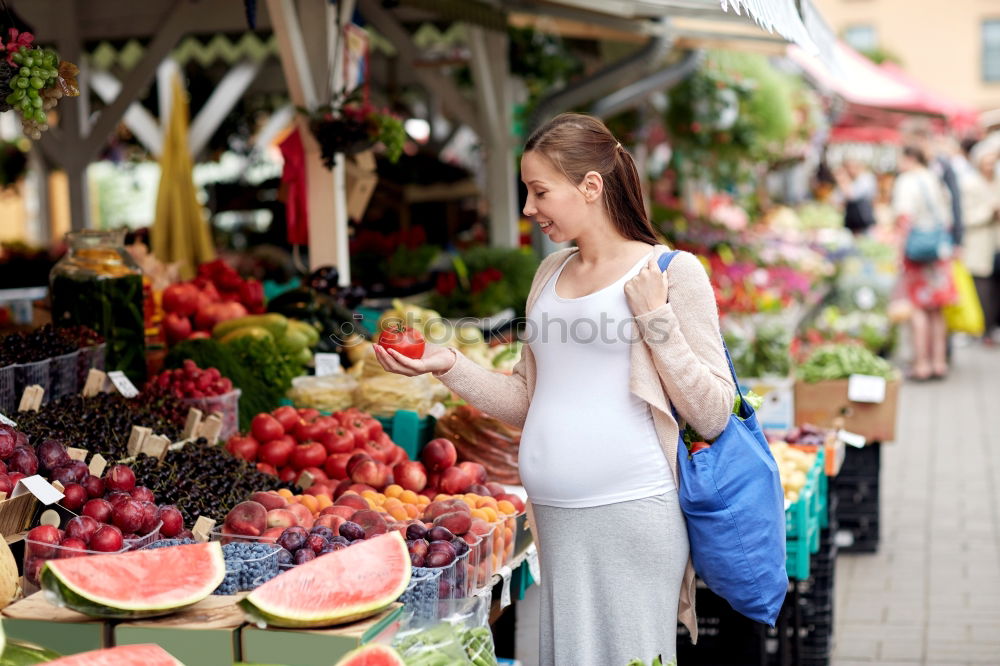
[[506, 508], [408, 496], [286, 493], [412, 510], [398, 512], [310, 502], [393, 490]]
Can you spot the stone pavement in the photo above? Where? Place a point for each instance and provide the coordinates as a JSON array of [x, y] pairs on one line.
[[931, 595]]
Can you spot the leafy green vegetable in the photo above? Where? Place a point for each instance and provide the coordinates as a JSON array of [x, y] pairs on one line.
[[273, 366], [841, 361], [690, 435]]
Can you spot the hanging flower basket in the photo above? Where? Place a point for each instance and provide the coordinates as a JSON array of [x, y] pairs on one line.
[[351, 127]]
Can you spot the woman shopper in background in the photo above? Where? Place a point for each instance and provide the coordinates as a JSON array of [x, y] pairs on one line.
[[981, 209], [613, 344], [921, 202]]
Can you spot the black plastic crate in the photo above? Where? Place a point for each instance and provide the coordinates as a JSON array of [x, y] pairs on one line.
[[725, 638]]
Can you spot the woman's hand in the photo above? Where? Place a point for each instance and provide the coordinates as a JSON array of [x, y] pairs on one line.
[[647, 290], [436, 359]]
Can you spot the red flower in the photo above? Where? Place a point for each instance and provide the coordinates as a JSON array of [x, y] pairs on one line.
[[16, 40], [446, 283]]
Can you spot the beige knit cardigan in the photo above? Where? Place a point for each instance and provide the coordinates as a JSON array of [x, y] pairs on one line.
[[679, 361]]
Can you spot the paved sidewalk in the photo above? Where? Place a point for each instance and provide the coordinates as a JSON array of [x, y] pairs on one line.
[[931, 595]]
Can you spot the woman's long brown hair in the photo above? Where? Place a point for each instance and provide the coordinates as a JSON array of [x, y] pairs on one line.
[[576, 144]]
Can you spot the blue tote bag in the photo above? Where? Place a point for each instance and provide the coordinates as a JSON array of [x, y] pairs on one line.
[[734, 508]]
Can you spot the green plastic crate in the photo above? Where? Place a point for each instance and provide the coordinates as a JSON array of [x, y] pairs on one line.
[[797, 559], [407, 429], [521, 581]]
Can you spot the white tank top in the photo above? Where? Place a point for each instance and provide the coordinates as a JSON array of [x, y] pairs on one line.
[[587, 440]]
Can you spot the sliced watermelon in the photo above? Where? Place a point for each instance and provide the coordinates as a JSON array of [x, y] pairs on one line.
[[339, 587], [125, 655], [372, 655], [140, 583]]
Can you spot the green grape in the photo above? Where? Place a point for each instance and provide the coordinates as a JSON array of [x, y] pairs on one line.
[[37, 102], [40, 117], [24, 71], [26, 104], [18, 95], [32, 93], [22, 83], [36, 83], [10, 99], [29, 61], [18, 58]]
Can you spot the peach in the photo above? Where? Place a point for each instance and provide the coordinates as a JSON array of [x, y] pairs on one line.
[[271, 534], [355, 501], [457, 522], [344, 511], [249, 518], [512, 499], [270, 500], [410, 475], [495, 488], [302, 514], [281, 518], [475, 470], [332, 521]]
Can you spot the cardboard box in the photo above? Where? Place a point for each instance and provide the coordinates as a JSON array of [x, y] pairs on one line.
[[316, 647], [206, 633], [777, 413], [35, 620], [821, 403]]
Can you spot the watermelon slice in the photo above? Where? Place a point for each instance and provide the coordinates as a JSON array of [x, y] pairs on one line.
[[372, 655], [339, 587], [125, 655], [139, 583]]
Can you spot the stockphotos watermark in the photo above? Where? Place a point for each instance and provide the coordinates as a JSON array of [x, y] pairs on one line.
[[602, 329]]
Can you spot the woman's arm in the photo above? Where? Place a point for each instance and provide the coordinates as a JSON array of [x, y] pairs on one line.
[[684, 340], [502, 396]]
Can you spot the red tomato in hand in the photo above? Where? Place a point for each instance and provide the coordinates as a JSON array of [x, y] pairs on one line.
[[407, 341], [698, 446]]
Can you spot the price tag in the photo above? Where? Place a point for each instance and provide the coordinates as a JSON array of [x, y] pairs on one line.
[[327, 364], [531, 557], [6, 421], [866, 388], [97, 465], [505, 574], [76, 454], [38, 487], [306, 480], [123, 384], [202, 528], [851, 439], [438, 410]]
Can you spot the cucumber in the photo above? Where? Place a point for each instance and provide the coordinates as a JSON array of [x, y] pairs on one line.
[[275, 323], [293, 341], [307, 329]]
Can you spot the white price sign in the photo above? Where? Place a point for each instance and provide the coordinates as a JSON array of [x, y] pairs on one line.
[[531, 557], [866, 388], [6, 421], [123, 384], [327, 364], [852, 439], [505, 574]]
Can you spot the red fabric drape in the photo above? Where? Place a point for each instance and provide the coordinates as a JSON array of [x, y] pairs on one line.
[[293, 182]]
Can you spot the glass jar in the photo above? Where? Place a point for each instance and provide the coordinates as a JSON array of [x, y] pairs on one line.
[[98, 284]]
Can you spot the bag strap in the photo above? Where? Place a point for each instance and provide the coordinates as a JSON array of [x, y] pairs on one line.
[[664, 262], [931, 205]]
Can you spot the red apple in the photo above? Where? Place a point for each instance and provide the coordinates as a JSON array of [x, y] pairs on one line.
[[181, 300], [176, 327]]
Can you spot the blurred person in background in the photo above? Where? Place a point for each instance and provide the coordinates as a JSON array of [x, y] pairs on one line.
[[920, 201], [981, 209], [936, 150], [858, 188]]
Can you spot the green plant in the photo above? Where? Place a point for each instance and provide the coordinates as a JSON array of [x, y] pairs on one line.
[[407, 262], [484, 281], [349, 125]]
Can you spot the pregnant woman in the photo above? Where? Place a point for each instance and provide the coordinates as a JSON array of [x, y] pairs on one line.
[[614, 346]]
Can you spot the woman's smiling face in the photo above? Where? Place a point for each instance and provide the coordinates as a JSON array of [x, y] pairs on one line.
[[558, 206]]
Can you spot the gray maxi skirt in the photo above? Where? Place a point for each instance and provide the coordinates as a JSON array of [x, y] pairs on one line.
[[611, 580]]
